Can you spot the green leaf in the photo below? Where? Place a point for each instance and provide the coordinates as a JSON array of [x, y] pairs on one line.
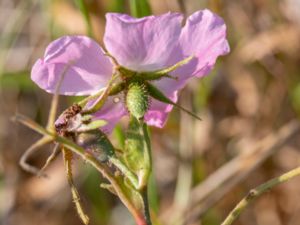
[[140, 8], [295, 98], [120, 136], [93, 125], [99, 201], [134, 195], [85, 13], [116, 6], [158, 95], [155, 75], [153, 194], [97, 142]]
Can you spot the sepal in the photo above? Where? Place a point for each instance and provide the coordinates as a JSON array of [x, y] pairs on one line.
[[156, 75], [137, 154], [158, 95]]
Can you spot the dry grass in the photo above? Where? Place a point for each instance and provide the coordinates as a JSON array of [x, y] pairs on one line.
[[200, 172]]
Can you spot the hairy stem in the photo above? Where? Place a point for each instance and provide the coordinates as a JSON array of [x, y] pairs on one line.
[[68, 156], [256, 192]]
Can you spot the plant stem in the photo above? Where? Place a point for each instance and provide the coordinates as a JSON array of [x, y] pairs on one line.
[[144, 194], [148, 157], [148, 144], [125, 170], [256, 192], [139, 218], [68, 156]]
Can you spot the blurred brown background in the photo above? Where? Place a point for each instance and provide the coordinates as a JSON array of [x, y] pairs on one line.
[[201, 168]]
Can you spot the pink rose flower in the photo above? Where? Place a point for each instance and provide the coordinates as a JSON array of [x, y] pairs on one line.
[[145, 44]]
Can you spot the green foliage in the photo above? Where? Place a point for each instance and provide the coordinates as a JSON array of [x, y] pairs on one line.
[[203, 91], [100, 201], [211, 217], [90, 126], [117, 6], [120, 136], [17, 80], [295, 98], [140, 8], [85, 13], [134, 146], [158, 95], [98, 143], [153, 194]]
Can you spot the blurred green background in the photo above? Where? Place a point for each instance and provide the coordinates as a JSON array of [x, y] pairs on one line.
[[201, 168]]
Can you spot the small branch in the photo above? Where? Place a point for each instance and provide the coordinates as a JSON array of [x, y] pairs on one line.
[[139, 218], [206, 194], [256, 192]]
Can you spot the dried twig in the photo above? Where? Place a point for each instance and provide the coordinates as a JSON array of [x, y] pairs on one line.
[[206, 194], [184, 177], [256, 192]]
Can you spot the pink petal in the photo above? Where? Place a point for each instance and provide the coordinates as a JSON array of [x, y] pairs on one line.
[[112, 111], [144, 44], [157, 114], [203, 36], [88, 68]]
